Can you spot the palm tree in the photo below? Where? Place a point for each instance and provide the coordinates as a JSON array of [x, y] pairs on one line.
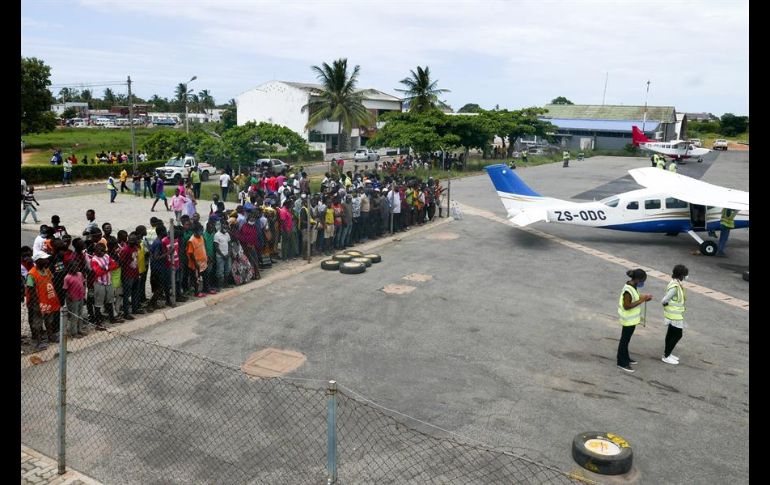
[[338, 100], [206, 99], [421, 92]]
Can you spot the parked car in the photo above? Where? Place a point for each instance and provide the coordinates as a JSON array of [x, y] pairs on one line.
[[273, 164], [366, 155], [696, 142], [720, 144]]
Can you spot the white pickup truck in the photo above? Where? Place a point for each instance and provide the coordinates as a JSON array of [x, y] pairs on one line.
[[366, 155], [720, 144], [177, 169]]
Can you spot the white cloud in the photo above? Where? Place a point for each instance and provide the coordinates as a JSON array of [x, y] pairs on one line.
[[545, 48]]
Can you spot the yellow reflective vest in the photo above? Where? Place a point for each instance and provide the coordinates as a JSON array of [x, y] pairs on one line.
[[634, 315], [728, 218], [675, 308], [672, 167], [661, 164]]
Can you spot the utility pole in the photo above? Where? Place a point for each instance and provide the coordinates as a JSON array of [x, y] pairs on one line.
[[605, 87], [131, 123], [645, 105]]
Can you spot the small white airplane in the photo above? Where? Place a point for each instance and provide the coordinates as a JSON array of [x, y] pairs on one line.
[[676, 149], [670, 203]]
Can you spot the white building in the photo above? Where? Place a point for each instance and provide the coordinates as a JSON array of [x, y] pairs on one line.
[[281, 102], [60, 108]]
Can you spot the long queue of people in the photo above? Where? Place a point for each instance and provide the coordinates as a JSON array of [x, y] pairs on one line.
[[103, 278]]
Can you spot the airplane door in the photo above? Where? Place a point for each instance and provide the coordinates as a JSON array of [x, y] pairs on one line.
[[698, 217]]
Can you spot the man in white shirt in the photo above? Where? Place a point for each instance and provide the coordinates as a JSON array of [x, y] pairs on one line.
[[394, 199], [224, 184]]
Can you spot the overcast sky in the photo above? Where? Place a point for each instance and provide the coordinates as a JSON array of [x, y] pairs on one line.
[[490, 52]]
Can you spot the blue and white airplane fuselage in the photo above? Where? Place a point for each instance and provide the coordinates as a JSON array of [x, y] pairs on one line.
[[642, 210]]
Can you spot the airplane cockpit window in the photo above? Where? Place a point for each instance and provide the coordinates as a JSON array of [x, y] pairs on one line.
[[652, 204], [632, 205], [610, 201], [672, 203]]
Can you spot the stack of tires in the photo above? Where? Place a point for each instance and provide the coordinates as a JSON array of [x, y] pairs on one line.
[[350, 262]]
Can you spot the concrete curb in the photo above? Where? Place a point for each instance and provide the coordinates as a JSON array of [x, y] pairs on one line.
[[43, 469], [209, 301], [77, 184]]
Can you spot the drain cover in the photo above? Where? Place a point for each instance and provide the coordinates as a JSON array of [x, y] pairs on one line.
[[272, 362]]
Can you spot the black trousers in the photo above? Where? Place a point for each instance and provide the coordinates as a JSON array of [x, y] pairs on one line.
[[673, 335], [625, 337]]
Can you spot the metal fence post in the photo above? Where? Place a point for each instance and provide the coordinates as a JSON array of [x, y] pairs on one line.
[[171, 256], [61, 431], [331, 433], [448, 194]]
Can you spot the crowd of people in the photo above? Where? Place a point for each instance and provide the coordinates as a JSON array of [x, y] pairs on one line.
[[102, 277], [110, 157]]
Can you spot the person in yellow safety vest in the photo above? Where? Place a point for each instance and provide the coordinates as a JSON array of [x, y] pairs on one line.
[[661, 162], [630, 313], [726, 223], [672, 166], [673, 312], [565, 158], [111, 187]]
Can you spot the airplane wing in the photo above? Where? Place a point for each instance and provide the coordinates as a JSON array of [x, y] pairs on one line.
[[530, 215], [689, 189]]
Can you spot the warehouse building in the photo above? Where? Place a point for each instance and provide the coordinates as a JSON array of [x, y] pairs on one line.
[[608, 127]]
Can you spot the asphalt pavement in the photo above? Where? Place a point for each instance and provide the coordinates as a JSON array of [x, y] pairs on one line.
[[512, 339]]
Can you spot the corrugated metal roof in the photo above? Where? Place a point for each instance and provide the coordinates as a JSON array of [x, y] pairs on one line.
[[609, 112], [602, 125]]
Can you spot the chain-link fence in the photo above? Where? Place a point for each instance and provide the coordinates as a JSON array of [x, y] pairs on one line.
[[139, 412]]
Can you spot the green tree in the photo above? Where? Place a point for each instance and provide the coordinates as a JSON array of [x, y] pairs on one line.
[[561, 100], [164, 144], [424, 132], [160, 104], [338, 100], [470, 108], [86, 96], [421, 93], [68, 113], [36, 99], [732, 125], [109, 98], [512, 125], [230, 116], [68, 94]]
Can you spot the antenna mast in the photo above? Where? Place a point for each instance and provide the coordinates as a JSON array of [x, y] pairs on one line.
[[645, 105]]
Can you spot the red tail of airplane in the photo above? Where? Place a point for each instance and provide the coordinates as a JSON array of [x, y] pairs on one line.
[[638, 137]]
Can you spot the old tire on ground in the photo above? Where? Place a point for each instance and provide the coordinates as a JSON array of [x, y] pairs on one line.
[[342, 258], [354, 253], [360, 259], [330, 264], [708, 248], [374, 257], [352, 268], [204, 176], [603, 453]]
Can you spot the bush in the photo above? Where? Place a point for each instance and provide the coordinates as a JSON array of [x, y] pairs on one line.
[[40, 174]]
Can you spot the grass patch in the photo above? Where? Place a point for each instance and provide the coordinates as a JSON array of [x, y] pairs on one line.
[[83, 141]]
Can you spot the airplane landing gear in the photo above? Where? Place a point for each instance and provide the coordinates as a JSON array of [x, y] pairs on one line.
[[700, 160], [708, 248]]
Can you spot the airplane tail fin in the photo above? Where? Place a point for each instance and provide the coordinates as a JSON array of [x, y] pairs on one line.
[[637, 136], [507, 181]]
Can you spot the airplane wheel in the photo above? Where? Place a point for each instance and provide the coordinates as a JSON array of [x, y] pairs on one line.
[[708, 248], [700, 160], [745, 276]]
